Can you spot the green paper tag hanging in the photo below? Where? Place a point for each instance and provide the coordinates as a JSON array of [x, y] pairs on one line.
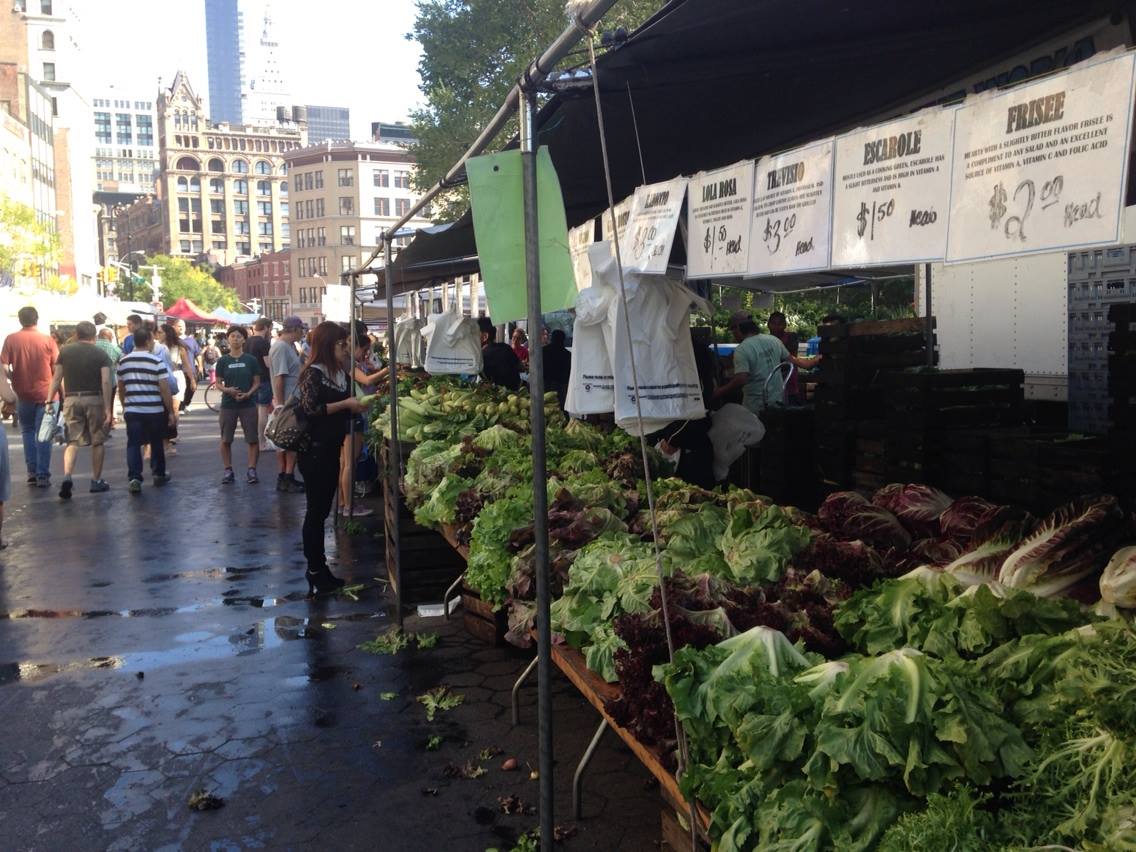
[[499, 230]]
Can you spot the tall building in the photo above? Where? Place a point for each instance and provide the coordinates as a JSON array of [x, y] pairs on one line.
[[328, 122], [126, 143], [56, 63], [223, 188], [246, 84], [343, 195], [392, 134]]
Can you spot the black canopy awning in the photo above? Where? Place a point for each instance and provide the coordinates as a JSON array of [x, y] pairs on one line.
[[706, 83]]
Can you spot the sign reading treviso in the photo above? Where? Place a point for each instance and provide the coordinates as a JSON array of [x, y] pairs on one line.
[[1041, 167]]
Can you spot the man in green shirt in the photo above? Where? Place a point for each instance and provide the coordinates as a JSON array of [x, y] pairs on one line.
[[238, 374], [755, 358]]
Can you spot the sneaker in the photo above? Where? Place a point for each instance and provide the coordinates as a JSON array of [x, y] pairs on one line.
[[32, 479], [65, 489], [43, 482], [251, 477], [99, 485], [282, 483], [229, 478], [161, 478], [135, 486]]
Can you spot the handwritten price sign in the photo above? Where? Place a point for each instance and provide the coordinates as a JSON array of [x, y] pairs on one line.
[[651, 223], [718, 208], [1042, 166], [792, 204], [892, 181]]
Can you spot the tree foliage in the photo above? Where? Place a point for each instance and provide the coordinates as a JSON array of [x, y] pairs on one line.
[[182, 280], [27, 246], [473, 51]]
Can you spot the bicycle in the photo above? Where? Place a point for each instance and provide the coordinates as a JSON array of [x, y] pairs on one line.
[[213, 396]]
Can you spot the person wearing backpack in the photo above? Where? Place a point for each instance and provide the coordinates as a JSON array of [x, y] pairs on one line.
[[285, 363]]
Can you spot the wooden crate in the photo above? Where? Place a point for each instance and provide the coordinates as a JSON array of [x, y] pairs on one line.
[[867, 328], [480, 621]]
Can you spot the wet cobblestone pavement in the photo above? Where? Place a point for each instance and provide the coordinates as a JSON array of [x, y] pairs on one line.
[[155, 645]]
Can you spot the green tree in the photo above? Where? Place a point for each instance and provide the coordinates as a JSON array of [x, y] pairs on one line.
[[27, 246], [473, 51], [182, 280]]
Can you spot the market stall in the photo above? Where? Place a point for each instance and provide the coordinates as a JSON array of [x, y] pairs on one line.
[[842, 679]]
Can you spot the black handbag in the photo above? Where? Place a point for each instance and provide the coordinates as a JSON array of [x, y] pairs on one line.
[[288, 428]]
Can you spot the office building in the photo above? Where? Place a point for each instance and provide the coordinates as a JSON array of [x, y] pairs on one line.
[[54, 60], [328, 122], [392, 134], [343, 195], [223, 188], [126, 143], [264, 283], [246, 84]]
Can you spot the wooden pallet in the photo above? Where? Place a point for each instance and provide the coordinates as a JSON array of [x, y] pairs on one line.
[[866, 328]]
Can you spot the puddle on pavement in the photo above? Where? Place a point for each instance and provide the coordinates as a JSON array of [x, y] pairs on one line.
[[201, 646]]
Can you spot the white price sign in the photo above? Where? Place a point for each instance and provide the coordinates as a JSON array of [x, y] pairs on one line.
[[718, 210], [622, 213], [651, 226], [1042, 167], [578, 241], [892, 191], [792, 211]]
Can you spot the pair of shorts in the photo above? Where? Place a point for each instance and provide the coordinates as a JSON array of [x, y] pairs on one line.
[[247, 416], [264, 393], [85, 417]]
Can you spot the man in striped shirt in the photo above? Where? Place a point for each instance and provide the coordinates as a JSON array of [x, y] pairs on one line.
[[148, 408]]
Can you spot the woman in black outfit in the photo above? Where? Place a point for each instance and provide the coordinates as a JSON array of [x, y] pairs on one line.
[[326, 402]]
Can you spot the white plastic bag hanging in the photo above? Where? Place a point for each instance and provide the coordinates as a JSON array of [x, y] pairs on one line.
[[453, 343], [658, 308], [51, 427], [590, 383], [734, 427]]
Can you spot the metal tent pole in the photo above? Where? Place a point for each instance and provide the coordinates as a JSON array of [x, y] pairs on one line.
[[394, 456], [540, 475], [350, 389], [929, 330]]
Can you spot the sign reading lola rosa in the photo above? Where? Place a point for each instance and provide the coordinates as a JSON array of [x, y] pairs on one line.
[[1042, 167], [892, 185], [792, 208], [718, 212]]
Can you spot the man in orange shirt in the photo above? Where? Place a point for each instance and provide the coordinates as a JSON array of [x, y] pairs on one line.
[[29, 355]]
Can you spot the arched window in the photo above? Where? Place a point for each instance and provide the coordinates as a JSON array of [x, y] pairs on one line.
[[188, 164], [194, 185], [215, 165], [263, 187], [47, 40], [240, 167], [216, 185], [283, 168], [263, 168], [182, 185], [283, 187], [241, 187], [177, 120]]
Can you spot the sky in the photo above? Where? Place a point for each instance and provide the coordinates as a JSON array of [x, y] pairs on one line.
[[350, 53]]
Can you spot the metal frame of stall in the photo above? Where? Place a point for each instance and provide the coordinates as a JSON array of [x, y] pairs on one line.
[[521, 98]]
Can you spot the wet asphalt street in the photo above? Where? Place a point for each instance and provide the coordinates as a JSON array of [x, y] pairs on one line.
[[159, 644]]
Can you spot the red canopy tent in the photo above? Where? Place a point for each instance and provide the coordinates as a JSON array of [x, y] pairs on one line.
[[184, 309]]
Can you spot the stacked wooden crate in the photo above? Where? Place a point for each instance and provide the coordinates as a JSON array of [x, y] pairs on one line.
[[787, 471], [846, 393]]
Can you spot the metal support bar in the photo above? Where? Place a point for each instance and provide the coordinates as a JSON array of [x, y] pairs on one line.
[[350, 507], [929, 331], [394, 475], [517, 690], [540, 474], [446, 600], [582, 767]]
